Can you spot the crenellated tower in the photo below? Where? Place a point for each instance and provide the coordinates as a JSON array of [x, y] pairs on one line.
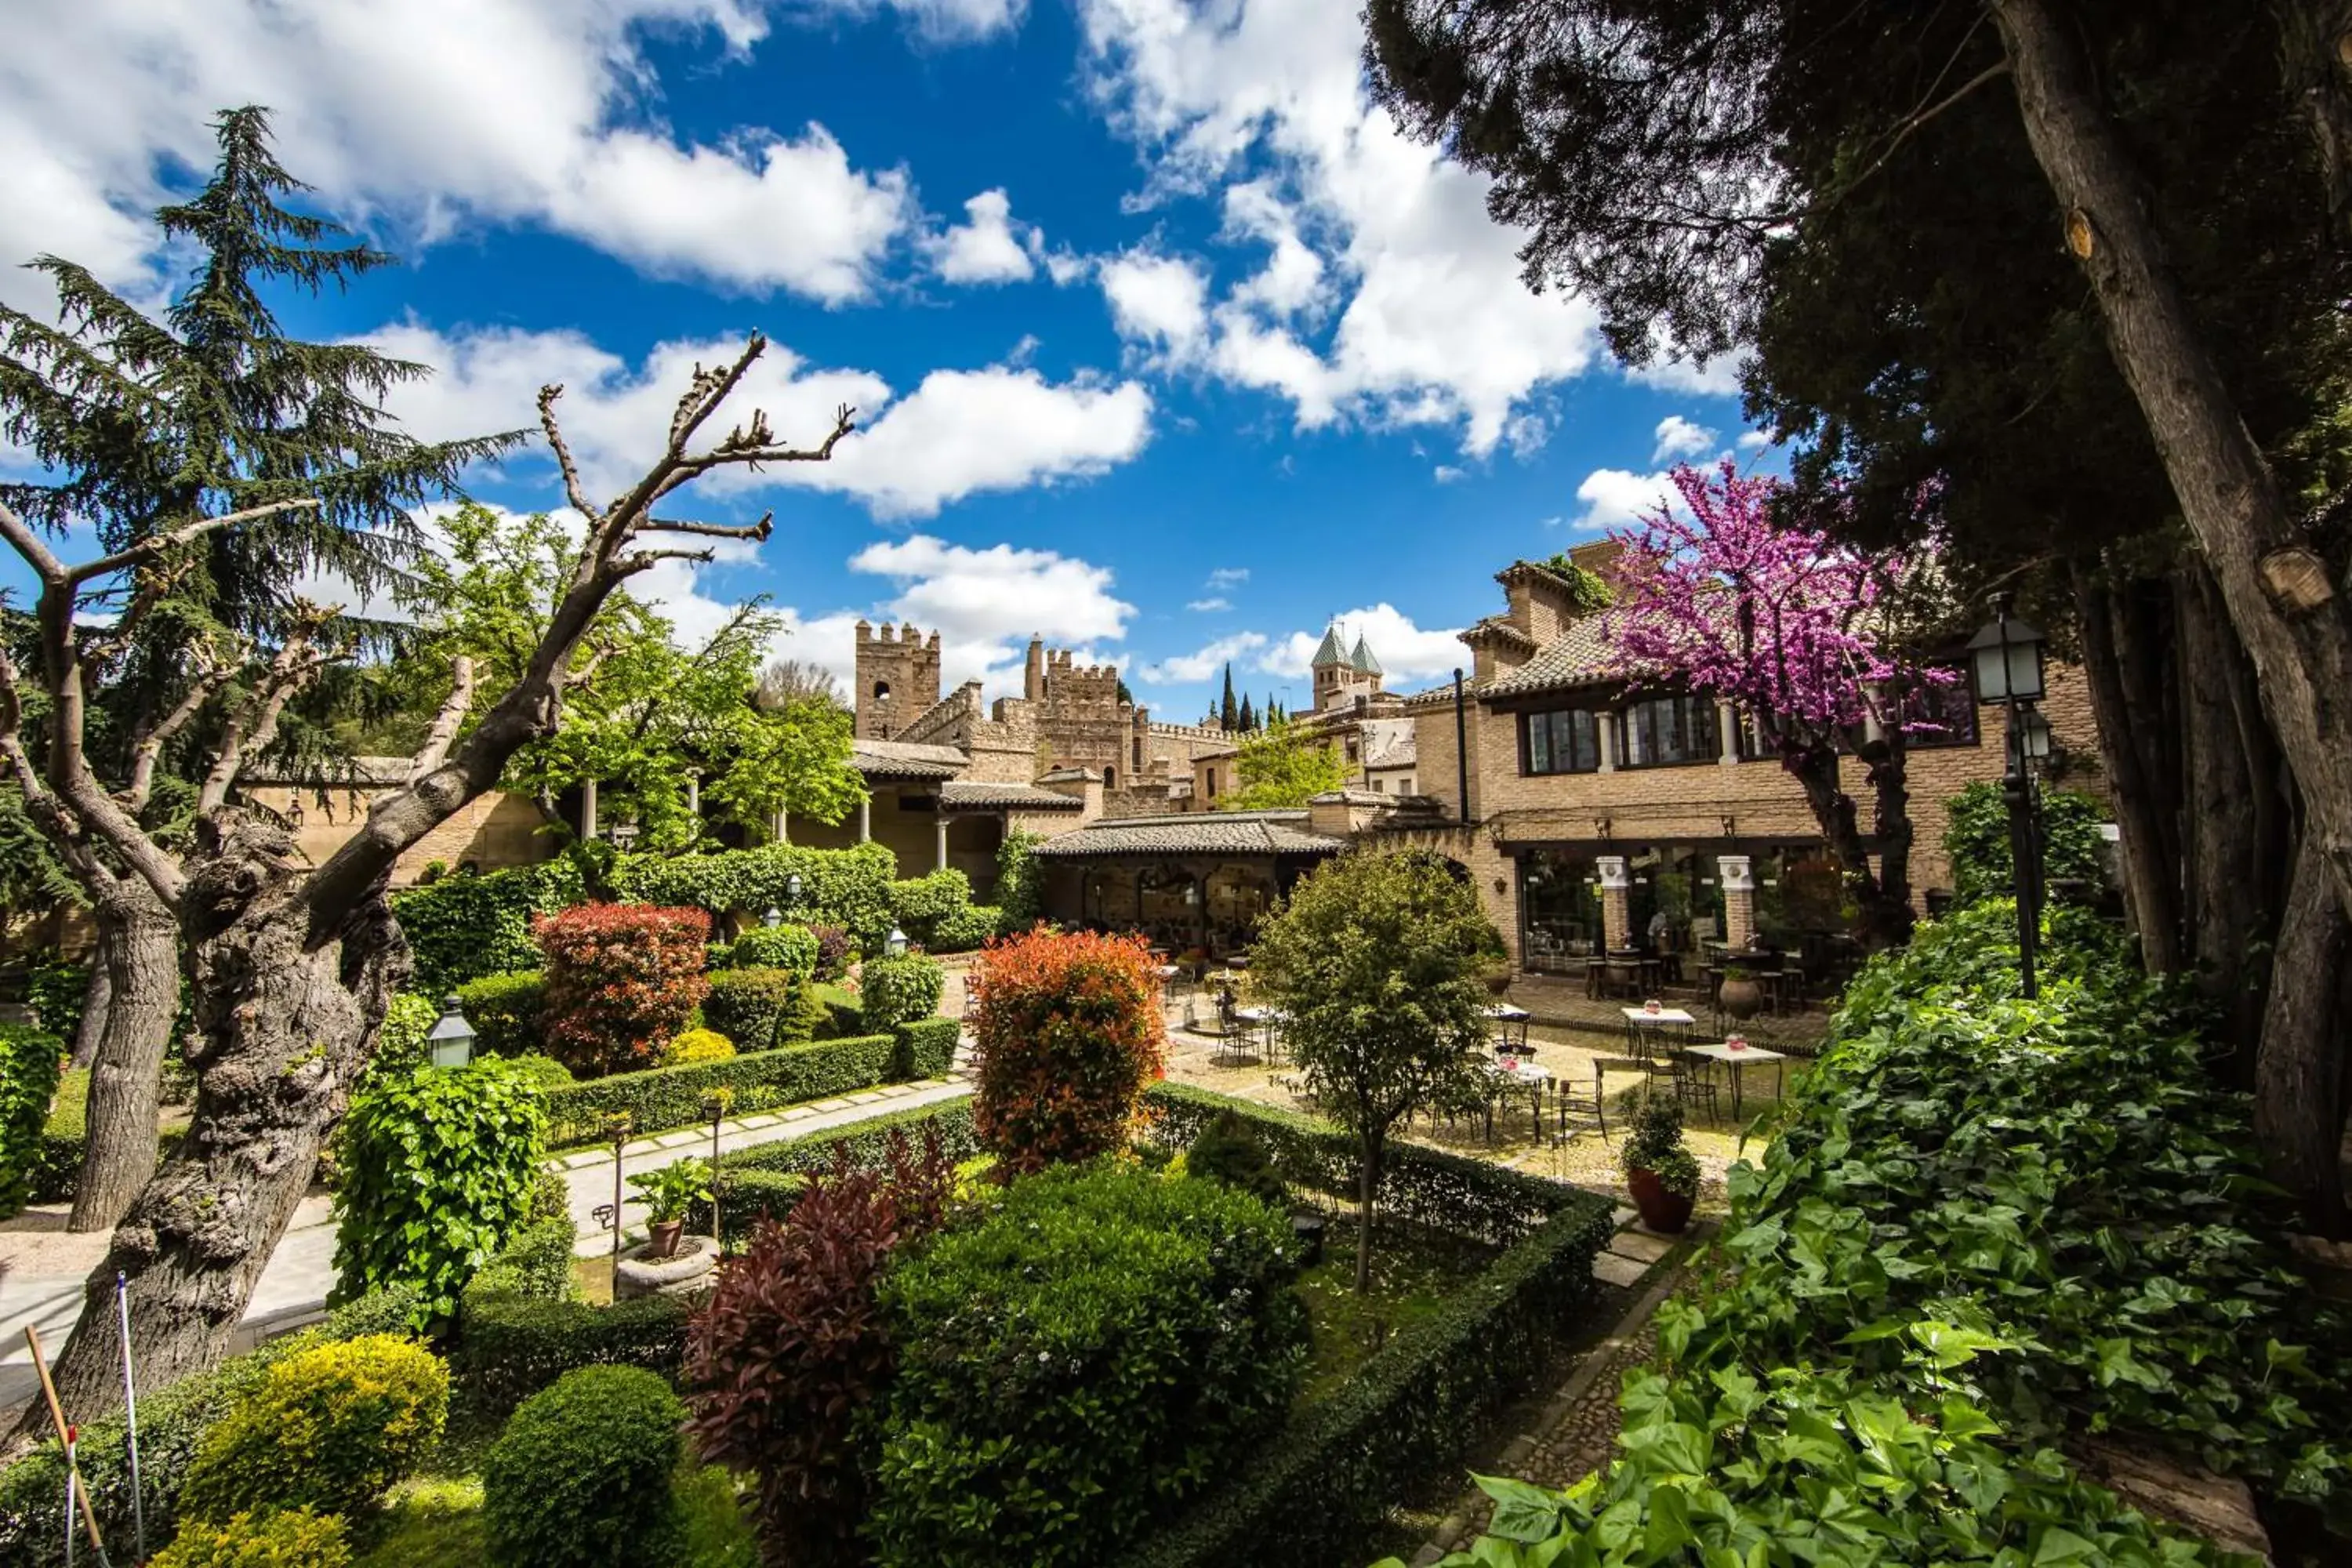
[[897, 678]]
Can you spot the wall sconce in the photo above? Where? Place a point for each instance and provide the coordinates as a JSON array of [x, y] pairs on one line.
[[1501, 885]]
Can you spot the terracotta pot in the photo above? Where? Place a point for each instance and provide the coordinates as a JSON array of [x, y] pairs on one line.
[[1499, 982], [661, 1238], [1660, 1210], [1740, 998]]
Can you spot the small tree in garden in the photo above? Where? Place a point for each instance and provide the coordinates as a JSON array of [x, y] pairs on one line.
[[791, 1350], [1282, 767], [1070, 1035], [1802, 633], [1377, 959], [621, 980]]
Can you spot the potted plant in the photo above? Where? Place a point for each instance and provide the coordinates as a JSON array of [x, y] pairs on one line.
[[1660, 1170], [1739, 996], [667, 1192]]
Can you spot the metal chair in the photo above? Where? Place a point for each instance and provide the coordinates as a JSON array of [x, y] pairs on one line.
[[1569, 1104]]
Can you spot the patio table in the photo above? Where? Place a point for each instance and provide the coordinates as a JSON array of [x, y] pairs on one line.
[[1737, 1059], [1529, 1075], [1505, 1014]]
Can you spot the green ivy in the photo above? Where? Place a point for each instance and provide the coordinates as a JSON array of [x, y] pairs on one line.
[[1020, 881], [438, 1171], [1977, 840], [29, 1061], [473, 924]]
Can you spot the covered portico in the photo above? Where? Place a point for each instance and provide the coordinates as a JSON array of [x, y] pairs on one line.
[[1195, 882]]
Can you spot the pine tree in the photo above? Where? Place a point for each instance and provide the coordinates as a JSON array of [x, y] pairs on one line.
[[1249, 718], [1229, 717]]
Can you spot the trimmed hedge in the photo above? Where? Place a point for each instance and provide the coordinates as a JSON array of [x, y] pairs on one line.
[[581, 1476], [900, 990], [748, 1005], [767, 1178], [471, 924], [783, 946], [848, 888], [28, 1083], [172, 1424], [847, 1014], [1314, 1492], [662, 1099], [505, 1010], [509, 1348], [926, 1047]]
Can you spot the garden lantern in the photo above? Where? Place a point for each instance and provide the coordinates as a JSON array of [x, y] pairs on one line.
[[624, 834], [792, 889], [451, 1036], [895, 944], [774, 918], [2008, 658]]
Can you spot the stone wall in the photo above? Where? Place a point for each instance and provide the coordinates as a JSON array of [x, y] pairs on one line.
[[897, 678], [495, 830]]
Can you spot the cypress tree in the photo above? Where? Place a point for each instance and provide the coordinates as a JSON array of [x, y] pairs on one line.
[[1249, 717], [1229, 716]]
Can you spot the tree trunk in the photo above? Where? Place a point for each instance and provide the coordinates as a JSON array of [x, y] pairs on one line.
[[285, 1018], [2298, 1078], [2291, 616], [2150, 861], [1369, 1190], [95, 999], [2228, 924], [1815, 769], [140, 941], [1889, 776]]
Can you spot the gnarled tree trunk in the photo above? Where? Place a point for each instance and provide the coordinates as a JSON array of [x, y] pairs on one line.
[[285, 1018], [2141, 771], [95, 998], [2299, 1077], [1886, 921], [139, 943], [2228, 922]]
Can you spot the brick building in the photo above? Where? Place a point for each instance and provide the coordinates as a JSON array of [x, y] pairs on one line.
[[1353, 713]]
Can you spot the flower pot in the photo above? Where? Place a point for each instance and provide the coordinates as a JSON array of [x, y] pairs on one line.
[[1740, 998], [1660, 1210], [1306, 1229], [661, 1237], [1499, 982]]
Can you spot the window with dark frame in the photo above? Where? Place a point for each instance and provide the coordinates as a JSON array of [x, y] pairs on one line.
[[1668, 731], [1562, 741]]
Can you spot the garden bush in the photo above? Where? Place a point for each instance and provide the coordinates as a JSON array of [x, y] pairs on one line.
[[1976, 839], [509, 1347], [1104, 1345], [662, 1099], [333, 1428], [1989, 1225], [966, 928], [582, 1476], [621, 979], [505, 1010], [58, 993], [835, 949], [284, 1538], [846, 1012], [1070, 1034], [535, 1266], [845, 888], [806, 1017], [918, 904], [785, 946], [1229, 1151], [697, 1048], [463, 927], [747, 1004], [768, 1177], [172, 1422], [544, 1073], [899, 990], [791, 1351], [926, 1047], [1020, 881], [400, 1044], [29, 1064], [438, 1168]]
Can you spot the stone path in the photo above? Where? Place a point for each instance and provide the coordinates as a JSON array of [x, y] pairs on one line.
[[293, 1289], [1576, 1433]]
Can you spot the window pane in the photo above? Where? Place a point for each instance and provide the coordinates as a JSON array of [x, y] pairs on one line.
[[1539, 743]]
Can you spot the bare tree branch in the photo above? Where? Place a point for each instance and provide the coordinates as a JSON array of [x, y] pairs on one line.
[[629, 566], [758, 531], [157, 543], [445, 724], [572, 488], [149, 746], [253, 727]]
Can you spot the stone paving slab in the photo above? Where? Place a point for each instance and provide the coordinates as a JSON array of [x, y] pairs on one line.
[[1618, 1270], [1639, 1245]]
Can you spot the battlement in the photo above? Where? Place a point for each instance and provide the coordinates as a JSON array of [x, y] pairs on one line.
[[897, 678], [938, 722], [1188, 733]]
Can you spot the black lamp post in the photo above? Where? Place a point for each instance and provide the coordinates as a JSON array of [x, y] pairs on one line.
[[2008, 658]]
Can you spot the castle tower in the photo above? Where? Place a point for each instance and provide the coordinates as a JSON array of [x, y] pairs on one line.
[[897, 678], [1331, 670], [1032, 671], [1366, 669]]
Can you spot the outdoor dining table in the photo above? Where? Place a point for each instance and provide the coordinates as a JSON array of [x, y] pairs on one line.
[[1518, 1073], [1504, 1013], [1737, 1058], [1262, 1021]]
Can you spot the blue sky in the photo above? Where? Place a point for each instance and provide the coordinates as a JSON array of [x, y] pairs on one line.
[[1170, 347]]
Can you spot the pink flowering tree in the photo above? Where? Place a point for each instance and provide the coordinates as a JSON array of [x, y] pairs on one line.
[[1802, 634]]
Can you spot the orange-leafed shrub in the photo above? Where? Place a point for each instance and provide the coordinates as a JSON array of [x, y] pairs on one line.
[[1070, 1035], [622, 979]]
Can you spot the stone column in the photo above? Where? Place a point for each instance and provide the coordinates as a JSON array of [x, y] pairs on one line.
[[1738, 899], [588, 809], [1727, 718], [1604, 729], [1616, 907], [942, 827], [694, 796], [784, 825], [865, 819]]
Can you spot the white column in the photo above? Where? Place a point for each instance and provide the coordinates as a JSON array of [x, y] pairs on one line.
[[865, 818], [1728, 717], [1604, 725], [1616, 907], [694, 796], [1738, 899], [784, 825], [588, 809], [943, 826]]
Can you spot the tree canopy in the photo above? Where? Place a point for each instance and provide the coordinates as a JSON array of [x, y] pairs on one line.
[[1283, 766]]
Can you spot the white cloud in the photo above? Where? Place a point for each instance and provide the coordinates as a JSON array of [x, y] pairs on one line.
[[987, 604], [958, 433], [984, 248], [1190, 668], [1618, 498], [1720, 377], [429, 116], [1445, 474], [1407, 653], [1209, 606], [1681, 437], [1754, 440], [1228, 577], [942, 21], [1160, 300], [1386, 295]]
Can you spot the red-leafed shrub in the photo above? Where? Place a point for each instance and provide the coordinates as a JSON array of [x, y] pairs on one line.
[[791, 1348], [621, 980], [1070, 1036]]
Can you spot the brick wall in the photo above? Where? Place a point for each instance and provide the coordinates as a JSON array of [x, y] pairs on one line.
[[494, 830]]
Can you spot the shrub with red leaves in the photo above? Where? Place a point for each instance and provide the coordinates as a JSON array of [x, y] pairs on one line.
[[622, 979], [791, 1347], [1070, 1035]]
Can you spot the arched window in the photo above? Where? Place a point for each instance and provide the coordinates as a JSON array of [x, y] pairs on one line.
[[881, 692], [1110, 778]]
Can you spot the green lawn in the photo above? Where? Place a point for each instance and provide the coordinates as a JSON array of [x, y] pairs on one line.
[[436, 1521], [1413, 1272]]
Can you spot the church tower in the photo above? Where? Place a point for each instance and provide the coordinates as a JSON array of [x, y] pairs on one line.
[[1331, 670]]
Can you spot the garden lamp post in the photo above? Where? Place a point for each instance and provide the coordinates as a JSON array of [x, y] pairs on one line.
[[774, 918], [451, 1037], [792, 889], [895, 944], [2007, 655]]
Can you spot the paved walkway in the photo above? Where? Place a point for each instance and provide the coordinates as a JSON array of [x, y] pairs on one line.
[[293, 1288]]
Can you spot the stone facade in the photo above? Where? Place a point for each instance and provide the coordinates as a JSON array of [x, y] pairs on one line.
[[897, 678], [494, 830]]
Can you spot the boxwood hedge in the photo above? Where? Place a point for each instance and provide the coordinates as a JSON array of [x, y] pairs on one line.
[[663, 1099]]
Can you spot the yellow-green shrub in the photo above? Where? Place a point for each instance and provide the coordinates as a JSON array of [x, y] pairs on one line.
[[291, 1538], [696, 1046], [333, 1428]]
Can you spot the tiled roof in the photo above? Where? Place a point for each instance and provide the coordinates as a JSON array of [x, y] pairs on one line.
[[1362, 661], [1580, 656], [972, 796], [1387, 743], [904, 760], [1329, 653], [1195, 833]]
